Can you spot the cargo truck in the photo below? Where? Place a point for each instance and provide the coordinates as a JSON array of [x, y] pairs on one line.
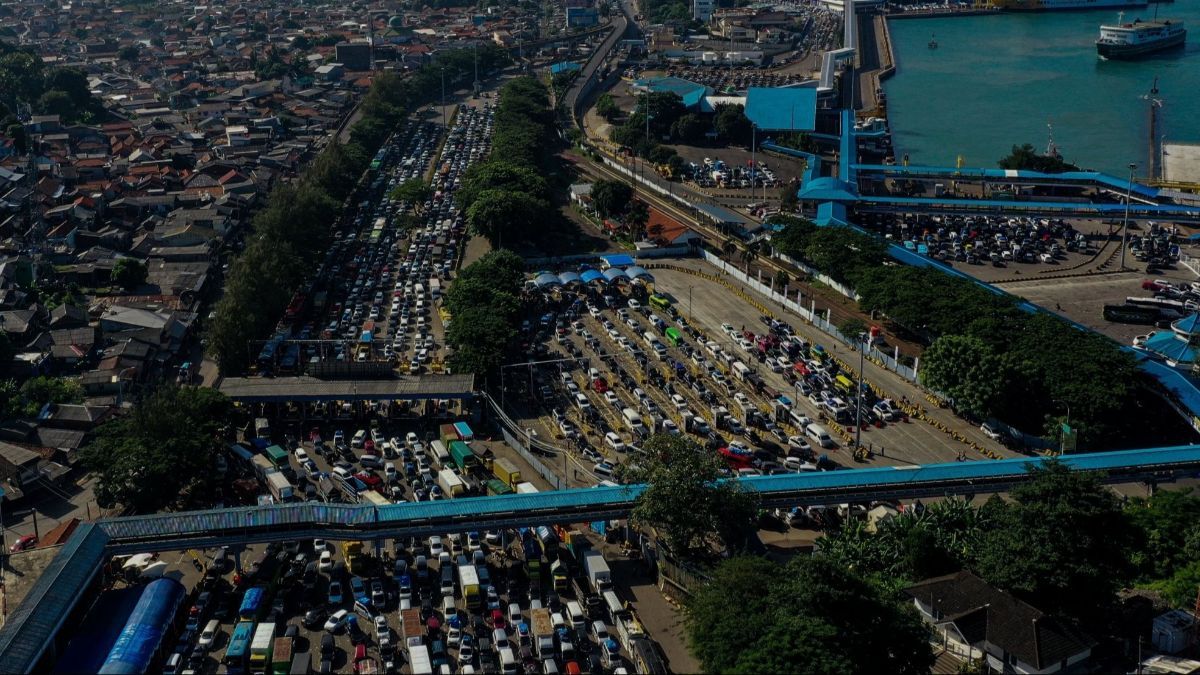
[[260, 647], [543, 631], [506, 471], [451, 484], [525, 488], [281, 656], [418, 657], [468, 581], [410, 621], [281, 489], [598, 574]]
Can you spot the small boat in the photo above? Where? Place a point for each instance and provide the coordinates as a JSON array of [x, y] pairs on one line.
[[933, 41]]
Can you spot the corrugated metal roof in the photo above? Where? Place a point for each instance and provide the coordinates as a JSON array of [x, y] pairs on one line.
[[782, 108], [32, 626]]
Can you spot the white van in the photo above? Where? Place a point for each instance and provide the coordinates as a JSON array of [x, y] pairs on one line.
[[360, 438], [575, 612], [819, 435]]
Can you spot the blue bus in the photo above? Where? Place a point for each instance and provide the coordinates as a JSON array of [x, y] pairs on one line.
[[251, 603], [239, 646]]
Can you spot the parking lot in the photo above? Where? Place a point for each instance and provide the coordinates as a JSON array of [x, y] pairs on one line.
[[472, 602], [611, 368]]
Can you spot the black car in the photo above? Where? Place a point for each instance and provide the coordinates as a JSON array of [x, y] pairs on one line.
[[314, 618]]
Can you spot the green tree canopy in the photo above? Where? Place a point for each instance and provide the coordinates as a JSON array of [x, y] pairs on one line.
[[414, 191], [732, 124], [606, 107], [155, 456], [611, 197], [499, 174], [1063, 544], [685, 500], [500, 214], [758, 617], [38, 391], [129, 273], [689, 129]]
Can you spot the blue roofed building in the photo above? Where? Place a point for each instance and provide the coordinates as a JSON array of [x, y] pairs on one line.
[[692, 93], [564, 67], [782, 108], [1177, 347]]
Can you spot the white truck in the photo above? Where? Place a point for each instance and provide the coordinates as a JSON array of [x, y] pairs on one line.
[[281, 489], [741, 370], [418, 657], [598, 573], [543, 631]]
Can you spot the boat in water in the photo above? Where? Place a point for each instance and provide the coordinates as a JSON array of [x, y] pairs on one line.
[[1131, 40], [1051, 5]]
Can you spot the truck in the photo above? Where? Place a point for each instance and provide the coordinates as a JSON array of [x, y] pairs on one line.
[[280, 487], [468, 581], [525, 488], [543, 631], [353, 555], [463, 458], [281, 656], [410, 621], [506, 471], [260, 647], [533, 561], [262, 428], [596, 568], [451, 484], [634, 421], [418, 656], [437, 450], [262, 466], [560, 576]]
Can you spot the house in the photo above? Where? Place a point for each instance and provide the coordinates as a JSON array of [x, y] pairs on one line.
[[20, 470], [667, 231], [976, 621], [1174, 631]]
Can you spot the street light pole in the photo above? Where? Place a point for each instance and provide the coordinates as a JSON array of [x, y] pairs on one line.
[[862, 351], [1125, 227]]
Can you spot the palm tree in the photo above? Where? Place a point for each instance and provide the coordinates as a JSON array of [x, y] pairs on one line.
[[749, 254], [781, 281], [729, 246]]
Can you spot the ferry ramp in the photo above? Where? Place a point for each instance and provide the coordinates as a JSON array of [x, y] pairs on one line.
[[31, 631]]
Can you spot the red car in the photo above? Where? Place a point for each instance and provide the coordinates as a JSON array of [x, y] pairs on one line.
[[24, 543]]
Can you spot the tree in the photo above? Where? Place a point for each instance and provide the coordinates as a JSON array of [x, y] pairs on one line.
[[129, 273], [606, 107], [758, 617], [661, 154], [55, 102], [499, 174], [154, 457], [497, 214], [1024, 157], [129, 53], [36, 392], [481, 339], [967, 371], [689, 129], [414, 191], [852, 327], [610, 197], [1169, 526], [781, 281], [637, 214], [732, 124], [684, 499], [20, 140], [1062, 544]]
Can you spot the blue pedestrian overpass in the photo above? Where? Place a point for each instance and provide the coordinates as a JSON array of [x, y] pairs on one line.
[[31, 631]]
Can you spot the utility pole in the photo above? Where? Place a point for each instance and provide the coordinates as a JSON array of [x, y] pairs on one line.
[[863, 341], [443, 72], [1125, 227]]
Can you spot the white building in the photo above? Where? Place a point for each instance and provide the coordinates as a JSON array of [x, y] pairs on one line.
[[702, 10]]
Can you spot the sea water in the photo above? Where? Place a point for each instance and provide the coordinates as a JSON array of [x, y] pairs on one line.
[[999, 80]]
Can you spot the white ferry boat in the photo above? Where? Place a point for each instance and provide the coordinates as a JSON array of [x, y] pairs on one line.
[[1131, 40]]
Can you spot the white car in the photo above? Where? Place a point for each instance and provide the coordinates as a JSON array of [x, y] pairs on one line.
[[325, 564], [435, 546], [301, 455], [336, 620], [728, 329], [381, 626], [611, 398], [679, 402], [989, 431], [612, 440]]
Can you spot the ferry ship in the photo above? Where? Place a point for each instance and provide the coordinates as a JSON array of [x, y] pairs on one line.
[[1131, 40], [1051, 5]]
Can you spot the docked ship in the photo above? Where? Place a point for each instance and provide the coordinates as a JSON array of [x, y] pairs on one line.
[[1131, 40], [1051, 5]]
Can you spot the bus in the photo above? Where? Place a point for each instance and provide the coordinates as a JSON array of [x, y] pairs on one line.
[[659, 301], [252, 601], [239, 646]]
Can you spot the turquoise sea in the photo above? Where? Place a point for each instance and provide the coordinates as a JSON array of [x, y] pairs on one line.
[[996, 80]]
